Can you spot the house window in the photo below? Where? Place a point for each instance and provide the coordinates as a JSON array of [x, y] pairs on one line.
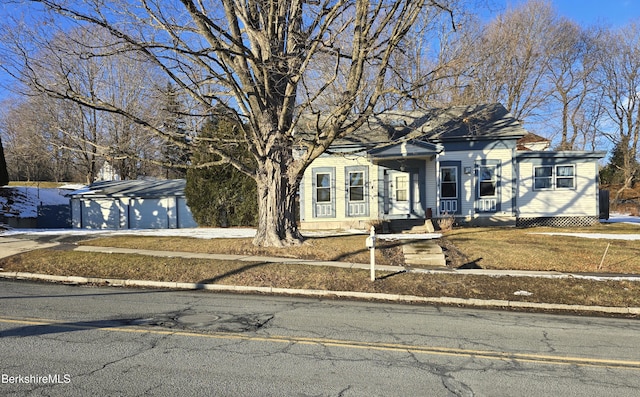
[[450, 199], [487, 174], [487, 181], [323, 187], [356, 186], [449, 182], [549, 177], [402, 188], [357, 198], [324, 192], [565, 177], [542, 178]]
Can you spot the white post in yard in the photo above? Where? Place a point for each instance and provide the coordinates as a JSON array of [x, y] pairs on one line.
[[371, 244]]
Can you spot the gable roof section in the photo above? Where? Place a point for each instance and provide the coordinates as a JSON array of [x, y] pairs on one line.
[[133, 188], [458, 123]]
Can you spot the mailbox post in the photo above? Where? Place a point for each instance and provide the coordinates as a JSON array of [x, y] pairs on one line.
[[371, 244]]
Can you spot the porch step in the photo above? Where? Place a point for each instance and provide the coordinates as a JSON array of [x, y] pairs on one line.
[[409, 226], [424, 253], [426, 227]]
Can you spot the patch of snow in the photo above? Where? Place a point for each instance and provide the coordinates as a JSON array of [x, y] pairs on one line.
[[202, 233], [614, 218], [23, 202], [607, 236], [621, 218], [73, 186]]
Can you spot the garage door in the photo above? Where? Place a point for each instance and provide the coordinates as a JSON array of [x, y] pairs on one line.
[[100, 214], [148, 214]]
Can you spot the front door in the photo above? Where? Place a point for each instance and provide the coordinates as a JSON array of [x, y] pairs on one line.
[[399, 193]]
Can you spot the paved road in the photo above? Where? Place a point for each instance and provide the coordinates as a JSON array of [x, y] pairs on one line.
[[130, 342]]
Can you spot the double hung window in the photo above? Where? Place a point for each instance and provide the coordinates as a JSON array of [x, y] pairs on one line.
[[487, 181], [449, 182], [554, 177], [356, 186], [324, 192]]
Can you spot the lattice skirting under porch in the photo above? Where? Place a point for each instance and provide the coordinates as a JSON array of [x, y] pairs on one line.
[[559, 221]]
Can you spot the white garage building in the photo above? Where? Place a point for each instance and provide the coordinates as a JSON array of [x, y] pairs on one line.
[[137, 204]]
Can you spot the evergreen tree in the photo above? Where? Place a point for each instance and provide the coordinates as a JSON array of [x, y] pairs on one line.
[[220, 195], [174, 152], [614, 172]]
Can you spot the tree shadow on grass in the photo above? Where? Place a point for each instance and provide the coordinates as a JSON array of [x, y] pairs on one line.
[[386, 276], [388, 244], [471, 265], [233, 272]]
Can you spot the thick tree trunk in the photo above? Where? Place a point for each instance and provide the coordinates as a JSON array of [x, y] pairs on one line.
[[277, 189]]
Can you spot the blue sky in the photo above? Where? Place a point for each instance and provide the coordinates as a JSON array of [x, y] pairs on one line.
[[610, 12], [589, 12]]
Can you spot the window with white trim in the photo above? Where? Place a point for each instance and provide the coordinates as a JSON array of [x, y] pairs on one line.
[[559, 177], [402, 188], [543, 178], [323, 187], [487, 181], [324, 192], [565, 177], [357, 197], [449, 182], [356, 186]]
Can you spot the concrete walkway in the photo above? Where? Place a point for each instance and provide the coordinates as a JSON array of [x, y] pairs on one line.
[[11, 246], [352, 265]]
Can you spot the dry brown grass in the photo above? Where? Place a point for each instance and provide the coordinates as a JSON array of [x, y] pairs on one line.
[[42, 184], [523, 249], [124, 266], [495, 248], [349, 248]]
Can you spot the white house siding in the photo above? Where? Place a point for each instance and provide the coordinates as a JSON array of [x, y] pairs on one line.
[[338, 218], [469, 159], [581, 201]]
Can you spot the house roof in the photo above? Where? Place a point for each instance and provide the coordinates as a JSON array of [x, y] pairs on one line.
[[531, 140], [489, 121], [133, 188]]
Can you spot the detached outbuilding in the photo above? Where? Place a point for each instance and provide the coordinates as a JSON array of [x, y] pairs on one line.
[[137, 204]]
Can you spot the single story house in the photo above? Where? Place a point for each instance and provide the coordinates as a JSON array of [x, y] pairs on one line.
[[475, 163], [133, 204]]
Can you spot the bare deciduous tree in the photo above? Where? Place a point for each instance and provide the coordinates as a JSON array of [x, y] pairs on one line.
[[63, 65], [571, 65], [27, 152], [506, 63], [254, 57], [619, 82]]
